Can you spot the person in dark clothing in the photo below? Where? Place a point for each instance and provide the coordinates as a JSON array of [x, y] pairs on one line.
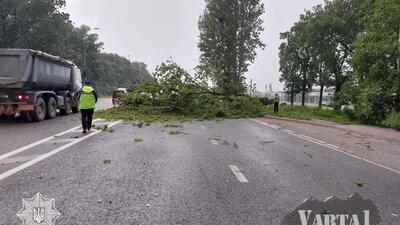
[[277, 100], [87, 103]]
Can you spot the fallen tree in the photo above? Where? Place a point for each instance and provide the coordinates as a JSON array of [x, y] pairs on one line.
[[172, 93]]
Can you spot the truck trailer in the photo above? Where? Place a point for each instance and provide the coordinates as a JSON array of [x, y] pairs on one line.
[[34, 84]]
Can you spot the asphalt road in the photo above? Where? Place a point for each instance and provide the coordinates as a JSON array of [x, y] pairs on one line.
[[227, 172]]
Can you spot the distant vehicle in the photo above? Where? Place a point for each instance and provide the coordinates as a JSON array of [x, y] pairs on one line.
[[35, 84], [116, 95]]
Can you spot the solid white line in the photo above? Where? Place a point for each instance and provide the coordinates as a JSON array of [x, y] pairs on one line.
[[307, 137], [289, 131], [60, 141], [335, 148], [24, 148], [49, 154], [239, 175]]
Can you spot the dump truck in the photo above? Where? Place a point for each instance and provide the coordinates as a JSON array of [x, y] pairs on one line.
[[34, 85]]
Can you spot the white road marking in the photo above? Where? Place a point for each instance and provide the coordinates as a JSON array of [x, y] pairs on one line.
[[49, 154], [24, 148], [289, 131], [333, 146], [329, 198], [330, 146], [307, 137], [214, 142], [20, 159], [60, 141], [203, 127], [239, 175]]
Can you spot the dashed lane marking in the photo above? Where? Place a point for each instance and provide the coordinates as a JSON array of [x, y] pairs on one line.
[[324, 144], [239, 175], [49, 154]]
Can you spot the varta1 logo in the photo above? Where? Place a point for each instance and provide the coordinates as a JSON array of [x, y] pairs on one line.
[[334, 211], [329, 219]]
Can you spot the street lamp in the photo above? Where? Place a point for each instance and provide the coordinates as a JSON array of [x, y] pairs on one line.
[[84, 50]]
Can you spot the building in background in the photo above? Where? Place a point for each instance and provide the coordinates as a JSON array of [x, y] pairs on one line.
[[312, 97]]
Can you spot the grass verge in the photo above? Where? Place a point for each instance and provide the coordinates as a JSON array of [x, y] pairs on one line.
[[310, 113]]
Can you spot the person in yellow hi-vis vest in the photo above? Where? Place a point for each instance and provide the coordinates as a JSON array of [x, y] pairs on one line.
[[87, 103]]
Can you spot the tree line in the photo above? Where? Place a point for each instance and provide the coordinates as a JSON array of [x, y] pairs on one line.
[[42, 25], [351, 45]]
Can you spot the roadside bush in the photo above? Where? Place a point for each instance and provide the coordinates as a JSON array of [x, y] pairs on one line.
[[369, 105], [393, 120], [349, 113]]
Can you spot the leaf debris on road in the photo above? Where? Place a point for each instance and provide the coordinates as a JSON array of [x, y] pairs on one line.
[[177, 132], [173, 126], [138, 140], [174, 132], [106, 161], [308, 154], [360, 184], [266, 142]]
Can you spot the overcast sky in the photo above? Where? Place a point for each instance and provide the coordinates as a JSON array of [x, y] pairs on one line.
[[153, 31]]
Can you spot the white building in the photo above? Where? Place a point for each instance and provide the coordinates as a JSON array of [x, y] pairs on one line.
[[312, 97]]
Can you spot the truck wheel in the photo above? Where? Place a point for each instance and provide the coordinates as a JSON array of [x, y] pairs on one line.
[[51, 108], [39, 114], [68, 107]]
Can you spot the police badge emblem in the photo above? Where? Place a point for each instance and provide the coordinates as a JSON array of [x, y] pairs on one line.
[[38, 211]]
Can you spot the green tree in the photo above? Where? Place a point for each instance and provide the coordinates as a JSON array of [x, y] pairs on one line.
[[375, 63], [322, 50], [41, 25], [298, 44], [229, 36], [341, 22], [25, 23], [114, 71], [289, 69]]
